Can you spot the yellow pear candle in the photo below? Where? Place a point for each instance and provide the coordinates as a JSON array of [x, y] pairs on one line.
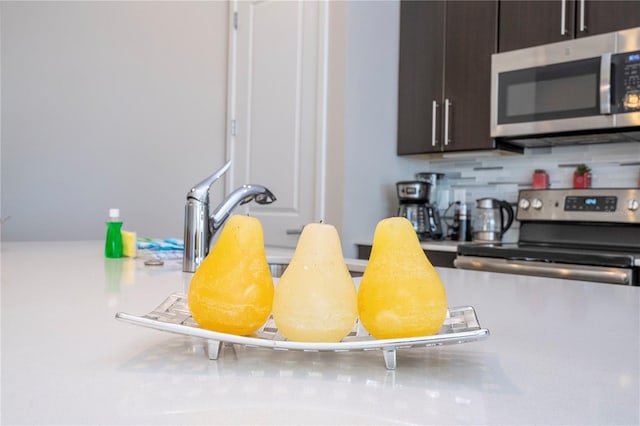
[[400, 294], [232, 290], [315, 299]]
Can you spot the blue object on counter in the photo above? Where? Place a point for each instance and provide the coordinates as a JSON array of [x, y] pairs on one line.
[[160, 245]]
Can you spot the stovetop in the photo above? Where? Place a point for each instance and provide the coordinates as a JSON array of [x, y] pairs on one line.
[[596, 227]]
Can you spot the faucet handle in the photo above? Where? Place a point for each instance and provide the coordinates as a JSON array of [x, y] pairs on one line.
[[200, 192]]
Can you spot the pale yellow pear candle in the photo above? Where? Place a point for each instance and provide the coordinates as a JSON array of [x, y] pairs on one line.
[[315, 299], [232, 290], [400, 294]]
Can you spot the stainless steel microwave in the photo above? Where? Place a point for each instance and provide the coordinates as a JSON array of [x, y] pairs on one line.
[[573, 89]]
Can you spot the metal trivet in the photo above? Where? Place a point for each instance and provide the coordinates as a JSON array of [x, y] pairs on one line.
[[460, 326]]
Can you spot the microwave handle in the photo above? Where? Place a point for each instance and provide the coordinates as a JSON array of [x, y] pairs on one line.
[[605, 83]]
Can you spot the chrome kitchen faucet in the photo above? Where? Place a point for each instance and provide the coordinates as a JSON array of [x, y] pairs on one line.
[[200, 227]]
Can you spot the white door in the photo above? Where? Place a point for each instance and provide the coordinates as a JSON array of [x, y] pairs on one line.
[[278, 105]]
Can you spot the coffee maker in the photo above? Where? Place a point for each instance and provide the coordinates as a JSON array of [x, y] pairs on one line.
[[433, 180], [433, 208], [413, 197]]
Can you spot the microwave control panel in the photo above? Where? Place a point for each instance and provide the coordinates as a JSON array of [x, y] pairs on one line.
[[615, 205], [626, 81]]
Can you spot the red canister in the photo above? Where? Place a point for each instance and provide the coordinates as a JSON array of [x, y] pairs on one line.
[[540, 179]]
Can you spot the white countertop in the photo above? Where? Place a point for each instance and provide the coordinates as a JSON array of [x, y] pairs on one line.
[[560, 352], [451, 246], [444, 245]]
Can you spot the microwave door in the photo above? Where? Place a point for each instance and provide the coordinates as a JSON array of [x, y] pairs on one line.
[[561, 97]]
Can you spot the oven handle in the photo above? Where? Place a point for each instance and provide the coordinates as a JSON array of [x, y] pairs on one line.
[[555, 270]]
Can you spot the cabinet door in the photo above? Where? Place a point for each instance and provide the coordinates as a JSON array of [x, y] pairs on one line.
[[420, 76], [470, 41], [600, 17], [531, 23]]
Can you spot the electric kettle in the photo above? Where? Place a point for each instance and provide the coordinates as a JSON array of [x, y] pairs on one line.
[[493, 218]]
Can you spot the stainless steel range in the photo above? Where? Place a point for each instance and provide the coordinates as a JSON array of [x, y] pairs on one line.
[[579, 234]]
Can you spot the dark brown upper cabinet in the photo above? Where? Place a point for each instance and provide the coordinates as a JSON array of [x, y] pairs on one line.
[[535, 22], [444, 75]]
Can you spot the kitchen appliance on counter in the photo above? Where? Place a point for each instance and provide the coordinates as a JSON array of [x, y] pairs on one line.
[[433, 179], [579, 234], [460, 228], [414, 204], [493, 218], [585, 90]]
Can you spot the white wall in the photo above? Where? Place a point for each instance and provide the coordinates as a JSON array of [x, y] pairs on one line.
[[108, 104], [142, 85], [371, 164]]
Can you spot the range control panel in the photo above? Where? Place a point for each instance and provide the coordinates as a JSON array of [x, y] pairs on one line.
[[614, 205], [576, 203]]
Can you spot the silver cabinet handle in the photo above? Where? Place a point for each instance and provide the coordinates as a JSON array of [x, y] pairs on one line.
[[583, 27], [447, 107], [294, 231], [605, 83], [434, 107], [563, 17]]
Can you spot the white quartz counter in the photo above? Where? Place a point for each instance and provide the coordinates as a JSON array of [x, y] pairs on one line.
[[560, 352], [451, 246], [444, 245]]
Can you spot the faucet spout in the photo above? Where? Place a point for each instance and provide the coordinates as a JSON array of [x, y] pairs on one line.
[[242, 195], [200, 226]]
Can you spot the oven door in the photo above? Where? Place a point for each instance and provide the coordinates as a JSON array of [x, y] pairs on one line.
[[554, 88], [601, 274]]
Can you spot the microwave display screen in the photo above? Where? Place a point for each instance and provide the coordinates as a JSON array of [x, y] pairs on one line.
[[551, 92]]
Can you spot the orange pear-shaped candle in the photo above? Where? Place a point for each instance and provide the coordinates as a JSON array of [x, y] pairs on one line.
[[232, 290], [400, 294]]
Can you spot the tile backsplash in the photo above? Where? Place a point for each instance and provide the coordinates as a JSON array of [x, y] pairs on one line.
[[468, 178]]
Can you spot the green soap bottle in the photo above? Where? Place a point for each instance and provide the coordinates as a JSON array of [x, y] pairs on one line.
[[113, 242]]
